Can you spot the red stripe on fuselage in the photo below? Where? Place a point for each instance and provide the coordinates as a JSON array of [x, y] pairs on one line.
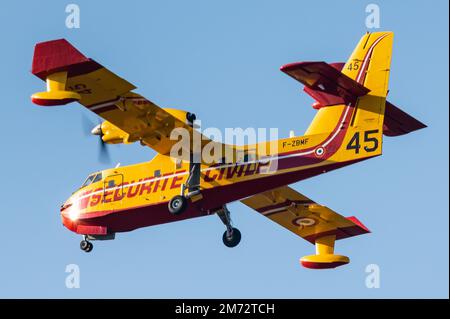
[[127, 219]]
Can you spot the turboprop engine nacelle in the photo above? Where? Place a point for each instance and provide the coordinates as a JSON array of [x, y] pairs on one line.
[[111, 134]]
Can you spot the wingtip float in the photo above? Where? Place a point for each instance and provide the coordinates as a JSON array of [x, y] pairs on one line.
[[352, 117]]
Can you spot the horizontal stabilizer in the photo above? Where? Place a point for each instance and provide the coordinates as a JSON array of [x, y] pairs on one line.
[[398, 122], [325, 82]]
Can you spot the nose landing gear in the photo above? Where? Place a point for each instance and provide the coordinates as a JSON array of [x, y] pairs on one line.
[[86, 245]]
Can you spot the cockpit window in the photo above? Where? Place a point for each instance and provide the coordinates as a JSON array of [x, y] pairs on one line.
[[97, 178], [93, 178]]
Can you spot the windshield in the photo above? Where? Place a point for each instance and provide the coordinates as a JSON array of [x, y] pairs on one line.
[[93, 178]]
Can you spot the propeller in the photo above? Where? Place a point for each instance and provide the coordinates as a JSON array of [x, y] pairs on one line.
[[89, 129]]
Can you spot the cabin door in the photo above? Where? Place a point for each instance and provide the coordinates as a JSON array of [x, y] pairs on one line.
[[113, 191]]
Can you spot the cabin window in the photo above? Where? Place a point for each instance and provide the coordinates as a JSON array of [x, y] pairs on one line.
[[111, 183], [157, 173]]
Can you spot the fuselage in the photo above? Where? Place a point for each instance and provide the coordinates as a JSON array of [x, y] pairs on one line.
[[129, 197]]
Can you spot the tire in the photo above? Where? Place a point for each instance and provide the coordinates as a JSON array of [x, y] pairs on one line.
[[234, 240], [177, 205], [84, 244], [89, 248]]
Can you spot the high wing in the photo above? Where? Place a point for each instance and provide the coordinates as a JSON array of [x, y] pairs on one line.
[[314, 222], [107, 95]]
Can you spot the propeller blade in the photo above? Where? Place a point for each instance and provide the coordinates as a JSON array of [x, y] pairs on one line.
[[90, 129], [103, 154], [87, 125]]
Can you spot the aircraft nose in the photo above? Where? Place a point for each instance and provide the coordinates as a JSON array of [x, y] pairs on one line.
[[65, 206]]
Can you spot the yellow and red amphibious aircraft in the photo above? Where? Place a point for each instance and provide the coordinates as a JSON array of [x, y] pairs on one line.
[[352, 117]]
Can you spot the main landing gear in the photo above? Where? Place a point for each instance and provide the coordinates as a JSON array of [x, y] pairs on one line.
[[86, 245], [232, 236], [178, 204], [189, 191]]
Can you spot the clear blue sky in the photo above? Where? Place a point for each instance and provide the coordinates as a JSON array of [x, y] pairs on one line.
[[220, 59]]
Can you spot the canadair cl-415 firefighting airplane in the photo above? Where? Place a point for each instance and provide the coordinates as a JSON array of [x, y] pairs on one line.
[[352, 117]]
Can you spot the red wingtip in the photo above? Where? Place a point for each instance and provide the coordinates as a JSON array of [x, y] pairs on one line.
[[358, 223], [53, 56]]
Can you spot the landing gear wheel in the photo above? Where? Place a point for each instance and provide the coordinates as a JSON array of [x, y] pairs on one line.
[[177, 205], [233, 239], [86, 246], [90, 247]]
